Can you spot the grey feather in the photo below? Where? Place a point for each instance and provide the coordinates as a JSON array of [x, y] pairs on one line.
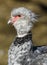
[[26, 12]]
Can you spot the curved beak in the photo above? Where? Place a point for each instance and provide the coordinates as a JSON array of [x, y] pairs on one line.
[[9, 21]]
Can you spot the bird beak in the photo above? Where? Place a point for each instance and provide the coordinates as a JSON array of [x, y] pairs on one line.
[[9, 21], [13, 19]]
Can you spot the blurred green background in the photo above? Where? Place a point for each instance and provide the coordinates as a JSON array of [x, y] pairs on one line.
[[8, 33]]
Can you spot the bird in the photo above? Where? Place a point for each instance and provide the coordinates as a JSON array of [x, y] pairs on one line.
[[21, 51]]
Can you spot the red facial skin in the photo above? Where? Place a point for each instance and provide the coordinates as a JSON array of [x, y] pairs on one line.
[[14, 19]]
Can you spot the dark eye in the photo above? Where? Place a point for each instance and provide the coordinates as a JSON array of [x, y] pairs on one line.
[[19, 15]]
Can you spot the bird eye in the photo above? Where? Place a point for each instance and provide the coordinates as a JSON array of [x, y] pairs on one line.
[[19, 15]]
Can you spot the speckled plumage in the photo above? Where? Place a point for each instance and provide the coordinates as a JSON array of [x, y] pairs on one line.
[[40, 60], [20, 53]]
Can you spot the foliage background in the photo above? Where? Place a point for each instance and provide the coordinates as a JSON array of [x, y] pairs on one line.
[[8, 33]]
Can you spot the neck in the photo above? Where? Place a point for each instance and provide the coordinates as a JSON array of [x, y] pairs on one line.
[[21, 35], [22, 39]]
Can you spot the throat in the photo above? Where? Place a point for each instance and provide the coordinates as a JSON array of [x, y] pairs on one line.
[[21, 35], [23, 39]]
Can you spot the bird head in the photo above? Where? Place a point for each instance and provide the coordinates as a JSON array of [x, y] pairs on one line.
[[22, 19]]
